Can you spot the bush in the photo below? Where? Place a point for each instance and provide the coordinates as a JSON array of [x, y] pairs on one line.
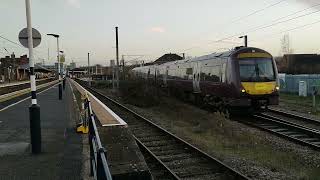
[[139, 92], [101, 84]]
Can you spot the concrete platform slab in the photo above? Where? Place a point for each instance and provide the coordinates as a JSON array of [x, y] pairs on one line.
[[61, 156], [105, 115], [12, 148], [123, 154]]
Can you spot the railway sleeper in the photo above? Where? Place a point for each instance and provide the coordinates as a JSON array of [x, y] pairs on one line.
[[197, 174], [217, 176], [160, 142], [174, 157], [270, 126], [153, 138], [316, 143], [300, 136], [165, 152], [280, 130], [144, 133], [289, 133], [185, 162], [311, 139], [166, 148]]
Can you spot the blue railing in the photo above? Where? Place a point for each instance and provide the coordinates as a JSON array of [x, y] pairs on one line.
[[99, 168]]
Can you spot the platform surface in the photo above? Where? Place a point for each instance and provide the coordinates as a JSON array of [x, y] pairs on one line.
[[105, 115], [61, 156]]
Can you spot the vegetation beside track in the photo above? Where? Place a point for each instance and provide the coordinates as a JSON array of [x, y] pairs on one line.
[[300, 104], [232, 142], [138, 93]]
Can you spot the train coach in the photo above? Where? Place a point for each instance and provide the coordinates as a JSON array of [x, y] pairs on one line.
[[240, 80]]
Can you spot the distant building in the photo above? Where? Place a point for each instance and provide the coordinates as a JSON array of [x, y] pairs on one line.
[[72, 65], [9, 67], [167, 58], [299, 64], [16, 69]]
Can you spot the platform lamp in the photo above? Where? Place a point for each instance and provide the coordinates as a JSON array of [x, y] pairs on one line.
[[63, 77], [59, 71]]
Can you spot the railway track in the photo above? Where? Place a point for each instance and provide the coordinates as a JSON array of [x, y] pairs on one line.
[[4, 89], [6, 100], [297, 119], [178, 158], [290, 130]]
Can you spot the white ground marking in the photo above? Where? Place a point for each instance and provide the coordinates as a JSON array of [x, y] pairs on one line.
[[25, 99]]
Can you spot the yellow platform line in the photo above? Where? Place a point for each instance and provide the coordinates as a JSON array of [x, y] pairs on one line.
[[6, 97]]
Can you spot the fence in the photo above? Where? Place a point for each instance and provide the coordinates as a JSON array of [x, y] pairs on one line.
[[99, 168], [290, 83]]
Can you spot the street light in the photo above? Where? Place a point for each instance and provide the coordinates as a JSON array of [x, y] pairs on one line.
[[60, 87], [245, 40], [63, 73]]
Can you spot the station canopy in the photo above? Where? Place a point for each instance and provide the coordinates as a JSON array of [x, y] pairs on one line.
[[37, 68]]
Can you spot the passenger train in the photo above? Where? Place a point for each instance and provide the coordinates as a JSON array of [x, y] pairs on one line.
[[244, 78]]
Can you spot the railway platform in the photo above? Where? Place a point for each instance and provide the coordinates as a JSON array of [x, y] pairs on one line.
[[62, 148], [124, 157], [65, 153]]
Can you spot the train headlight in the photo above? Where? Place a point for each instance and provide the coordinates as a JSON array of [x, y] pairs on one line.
[[243, 90], [277, 88]]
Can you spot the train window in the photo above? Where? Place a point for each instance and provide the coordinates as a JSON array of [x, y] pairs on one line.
[[171, 73], [189, 71], [210, 73], [256, 70]]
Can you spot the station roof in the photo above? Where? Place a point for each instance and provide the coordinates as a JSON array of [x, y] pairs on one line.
[[167, 58], [37, 68]]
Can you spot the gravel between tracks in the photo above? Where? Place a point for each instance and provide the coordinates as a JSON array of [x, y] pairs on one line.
[[194, 125]]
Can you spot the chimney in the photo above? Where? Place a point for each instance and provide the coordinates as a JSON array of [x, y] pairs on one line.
[[13, 56]]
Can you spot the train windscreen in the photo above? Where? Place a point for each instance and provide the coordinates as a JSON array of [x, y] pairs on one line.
[[256, 70]]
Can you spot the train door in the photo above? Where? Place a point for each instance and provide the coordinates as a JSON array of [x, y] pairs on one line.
[[165, 76], [196, 77], [223, 72]]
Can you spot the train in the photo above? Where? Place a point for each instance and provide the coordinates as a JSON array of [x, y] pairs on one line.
[[244, 79]]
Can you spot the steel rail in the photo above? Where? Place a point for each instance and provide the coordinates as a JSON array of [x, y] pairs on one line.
[[291, 131], [173, 174], [305, 128], [295, 116], [9, 88]]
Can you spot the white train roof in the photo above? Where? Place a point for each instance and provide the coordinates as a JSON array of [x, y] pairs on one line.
[[200, 58]]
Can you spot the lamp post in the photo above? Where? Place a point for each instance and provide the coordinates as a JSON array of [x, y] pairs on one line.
[[9, 74], [59, 71], [34, 109], [245, 40], [117, 57], [63, 77]]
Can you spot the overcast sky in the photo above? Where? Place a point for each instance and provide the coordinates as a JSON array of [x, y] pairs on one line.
[[155, 27]]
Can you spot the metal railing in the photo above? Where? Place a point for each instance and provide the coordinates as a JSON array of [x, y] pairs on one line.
[[99, 168]]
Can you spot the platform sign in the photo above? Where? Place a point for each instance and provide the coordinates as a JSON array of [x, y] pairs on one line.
[[23, 37], [62, 58]]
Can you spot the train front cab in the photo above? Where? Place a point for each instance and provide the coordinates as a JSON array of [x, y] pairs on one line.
[[257, 79]]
